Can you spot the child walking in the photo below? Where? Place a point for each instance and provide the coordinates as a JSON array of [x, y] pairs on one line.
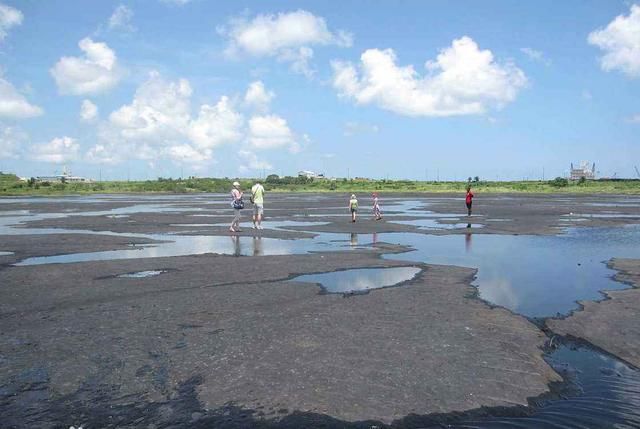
[[376, 207], [353, 206]]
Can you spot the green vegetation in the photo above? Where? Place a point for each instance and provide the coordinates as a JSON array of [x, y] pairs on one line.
[[11, 185]]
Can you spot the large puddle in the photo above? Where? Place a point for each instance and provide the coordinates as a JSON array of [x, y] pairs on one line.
[[604, 393], [360, 280], [183, 245], [536, 276]]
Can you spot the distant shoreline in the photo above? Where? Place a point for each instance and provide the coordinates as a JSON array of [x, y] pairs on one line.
[[10, 185]]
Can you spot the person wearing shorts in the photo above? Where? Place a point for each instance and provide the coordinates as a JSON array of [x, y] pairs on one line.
[[237, 204], [257, 196], [353, 206], [469, 200]]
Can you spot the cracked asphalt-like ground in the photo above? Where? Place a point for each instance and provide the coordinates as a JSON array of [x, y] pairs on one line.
[[226, 341]]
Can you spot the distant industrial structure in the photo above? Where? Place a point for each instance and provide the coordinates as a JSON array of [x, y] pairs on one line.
[[65, 177], [583, 171], [310, 174]]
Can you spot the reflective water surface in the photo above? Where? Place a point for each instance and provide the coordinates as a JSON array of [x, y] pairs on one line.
[[535, 276], [435, 224], [606, 395], [142, 274], [360, 280]]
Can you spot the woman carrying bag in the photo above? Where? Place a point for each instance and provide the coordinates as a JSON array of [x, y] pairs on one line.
[[237, 204]]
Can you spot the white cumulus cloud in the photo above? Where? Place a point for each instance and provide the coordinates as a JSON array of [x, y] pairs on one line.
[[9, 17], [271, 132], [620, 41], [58, 150], [186, 153], [215, 125], [536, 55], [96, 72], [158, 123], [250, 161], [352, 128], [159, 112], [258, 97], [286, 36], [121, 19], [88, 111], [11, 141], [462, 80], [13, 104]]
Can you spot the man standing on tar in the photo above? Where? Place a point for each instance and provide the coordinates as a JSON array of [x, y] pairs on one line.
[[257, 197]]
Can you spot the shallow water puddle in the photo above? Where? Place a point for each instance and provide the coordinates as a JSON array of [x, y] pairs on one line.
[[5, 253], [267, 224], [182, 245], [602, 216], [536, 276], [435, 224], [360, 280], [141, 274], [607, 396]]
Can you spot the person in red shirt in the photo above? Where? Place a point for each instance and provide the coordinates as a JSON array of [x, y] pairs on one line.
[[469, 199]]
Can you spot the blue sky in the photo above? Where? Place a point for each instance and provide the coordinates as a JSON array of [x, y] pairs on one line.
[[410, 89]]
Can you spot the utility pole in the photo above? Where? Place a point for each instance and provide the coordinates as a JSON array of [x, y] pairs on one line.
[[438, 175], [543, 174]]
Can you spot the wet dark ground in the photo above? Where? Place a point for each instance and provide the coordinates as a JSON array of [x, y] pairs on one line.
[[231, 341]]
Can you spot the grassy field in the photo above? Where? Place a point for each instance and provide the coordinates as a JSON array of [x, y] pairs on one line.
[[11, 185]]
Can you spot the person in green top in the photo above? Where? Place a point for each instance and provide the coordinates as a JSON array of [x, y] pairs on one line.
[[353, 206], [257, 197]]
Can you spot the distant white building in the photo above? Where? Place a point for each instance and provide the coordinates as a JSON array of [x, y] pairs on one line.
[[583, 170], [65, 177], [310, 174]]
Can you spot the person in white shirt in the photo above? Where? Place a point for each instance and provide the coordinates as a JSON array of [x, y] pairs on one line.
[[257, 197]]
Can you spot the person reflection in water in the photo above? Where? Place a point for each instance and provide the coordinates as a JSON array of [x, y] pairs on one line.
[[257, 246], [237, 250], [354, 239], [467, 240]]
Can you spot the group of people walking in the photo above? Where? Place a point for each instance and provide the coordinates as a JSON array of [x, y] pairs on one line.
[[353, 207], [257, 199]]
